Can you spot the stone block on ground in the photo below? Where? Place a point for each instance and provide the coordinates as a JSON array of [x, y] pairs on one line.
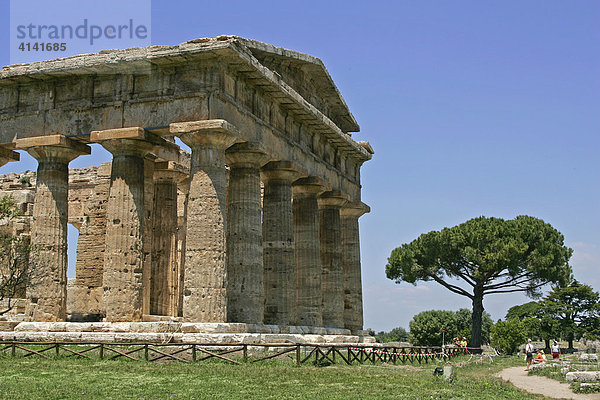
[[583, 376], [588, 357]]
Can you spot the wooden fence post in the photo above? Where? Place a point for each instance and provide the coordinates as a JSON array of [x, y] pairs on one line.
[[13, 350], [57, 349], [297, 355], [194, 352], [102, 351], [245, 353], [146, 352]]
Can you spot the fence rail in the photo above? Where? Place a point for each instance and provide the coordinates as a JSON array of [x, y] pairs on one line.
[[301, 353]]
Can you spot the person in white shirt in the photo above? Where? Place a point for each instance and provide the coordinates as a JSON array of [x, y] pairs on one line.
[[555, 350], [528, 354]]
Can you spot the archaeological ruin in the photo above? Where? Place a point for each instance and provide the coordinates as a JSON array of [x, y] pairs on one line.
[[255, 232]]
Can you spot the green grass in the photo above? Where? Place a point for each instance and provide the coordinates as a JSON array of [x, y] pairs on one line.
[[68, 378], [551, 372]]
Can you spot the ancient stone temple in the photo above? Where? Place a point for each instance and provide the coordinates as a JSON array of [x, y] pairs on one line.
[[257, 225]]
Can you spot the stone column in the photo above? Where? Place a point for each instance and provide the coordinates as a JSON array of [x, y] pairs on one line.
[[47, 285], [332, 278], [123, 276], [148, 237], [182, 199], [245, 284], [308, 250], [205, 293], [353, 306], [164, 275], [278, 242]]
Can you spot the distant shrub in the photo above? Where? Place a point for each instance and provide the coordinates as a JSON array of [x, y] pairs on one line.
[[507, 336]]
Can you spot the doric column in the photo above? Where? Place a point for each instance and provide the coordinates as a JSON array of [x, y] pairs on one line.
[[245, 287], [127, 256], [147, 233], [278, 239], [308, 250], [123, 277], [205, 293], [47, 285], [165, 272], [182, 200], [353, 306], [332, 278]]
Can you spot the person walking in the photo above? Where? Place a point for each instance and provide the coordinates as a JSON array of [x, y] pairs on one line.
[[528, 354]]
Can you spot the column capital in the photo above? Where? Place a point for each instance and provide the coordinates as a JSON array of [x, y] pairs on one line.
[[333, 199], [310, 186], [135, 140], [7, 155], [286, 171], [184, 185], [355, 209], [216, 133], [170, 171], [53, 147], [246, 155], [136, 147]]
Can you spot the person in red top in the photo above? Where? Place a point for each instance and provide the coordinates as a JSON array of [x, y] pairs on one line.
[[540, 357], [555, 348]]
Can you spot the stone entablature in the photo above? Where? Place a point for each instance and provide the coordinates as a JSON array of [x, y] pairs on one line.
[[202, 79], [211, 237]]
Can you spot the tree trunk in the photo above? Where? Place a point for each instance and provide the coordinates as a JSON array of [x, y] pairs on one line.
[[477, 314], [547, 341], [570, 338]]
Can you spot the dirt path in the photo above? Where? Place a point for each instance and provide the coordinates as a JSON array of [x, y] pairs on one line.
[[542, 385]]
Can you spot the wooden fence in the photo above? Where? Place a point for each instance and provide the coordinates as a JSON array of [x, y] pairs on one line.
[[319, 354]]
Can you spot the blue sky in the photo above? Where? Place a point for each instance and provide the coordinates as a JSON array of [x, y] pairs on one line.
[[473, 108]]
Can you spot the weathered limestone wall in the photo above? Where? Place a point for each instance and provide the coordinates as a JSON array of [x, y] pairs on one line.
[[166, 271], [87, 294], [88, 193], [21, 187]]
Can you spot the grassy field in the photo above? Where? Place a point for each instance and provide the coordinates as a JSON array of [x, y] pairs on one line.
[[66, 378]]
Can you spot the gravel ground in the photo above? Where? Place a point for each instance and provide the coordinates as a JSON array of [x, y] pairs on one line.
[[542, 385]]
